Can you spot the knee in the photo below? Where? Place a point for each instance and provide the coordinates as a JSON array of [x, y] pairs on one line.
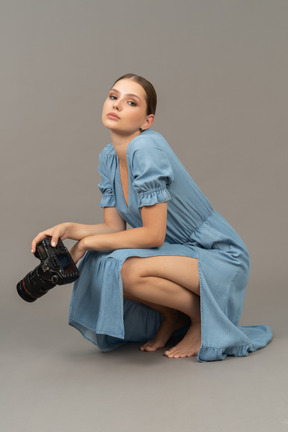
[[130, 273]]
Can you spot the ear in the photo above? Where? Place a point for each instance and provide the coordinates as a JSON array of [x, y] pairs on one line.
[[148, 122]]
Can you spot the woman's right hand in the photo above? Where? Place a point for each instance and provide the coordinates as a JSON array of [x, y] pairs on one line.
[[56, 232]]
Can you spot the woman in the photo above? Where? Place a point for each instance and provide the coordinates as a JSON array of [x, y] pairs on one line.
[[181, 268]]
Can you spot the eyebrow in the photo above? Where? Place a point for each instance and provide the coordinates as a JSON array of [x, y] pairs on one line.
[[128, 94]]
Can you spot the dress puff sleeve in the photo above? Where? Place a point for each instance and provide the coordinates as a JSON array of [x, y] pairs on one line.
[[107, 167], [152, 173]]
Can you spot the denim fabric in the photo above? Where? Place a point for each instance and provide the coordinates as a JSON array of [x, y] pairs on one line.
[[194, 229]]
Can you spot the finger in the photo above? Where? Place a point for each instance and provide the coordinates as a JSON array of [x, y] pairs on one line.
[[36, 240], [55, 238]]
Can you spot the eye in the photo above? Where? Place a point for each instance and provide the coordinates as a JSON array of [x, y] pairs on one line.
[[132, 103], [112, 97]]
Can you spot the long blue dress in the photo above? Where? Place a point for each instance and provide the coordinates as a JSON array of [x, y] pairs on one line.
[[194, 229]]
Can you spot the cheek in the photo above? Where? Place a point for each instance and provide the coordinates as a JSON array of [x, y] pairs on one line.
[[104, 111], [136, 116], [105, 105], [106, 108]]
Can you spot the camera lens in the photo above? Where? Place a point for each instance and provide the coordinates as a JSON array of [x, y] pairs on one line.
[[24, 293], [33, 286]]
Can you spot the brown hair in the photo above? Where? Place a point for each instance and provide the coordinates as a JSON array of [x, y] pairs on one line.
[[151, 96]]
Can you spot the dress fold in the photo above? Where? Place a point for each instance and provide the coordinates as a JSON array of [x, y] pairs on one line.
[[194, 229]]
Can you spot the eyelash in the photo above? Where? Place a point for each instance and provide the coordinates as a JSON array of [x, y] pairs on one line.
[[131, 103]]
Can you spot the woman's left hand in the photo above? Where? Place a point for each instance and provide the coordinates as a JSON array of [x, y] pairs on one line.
[[77, 251]]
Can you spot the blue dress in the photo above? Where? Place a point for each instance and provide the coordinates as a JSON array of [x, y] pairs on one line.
[[194, 229]]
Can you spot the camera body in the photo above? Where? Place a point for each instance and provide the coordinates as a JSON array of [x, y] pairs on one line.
[[56, 268], [57, 264]]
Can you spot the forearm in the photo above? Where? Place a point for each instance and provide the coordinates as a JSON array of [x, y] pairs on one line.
[[76, 231], [151, 234], [136, 238]]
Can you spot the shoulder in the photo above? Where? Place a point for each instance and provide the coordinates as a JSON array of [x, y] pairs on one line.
[[107, 159], [148, 142], [107, 155], [148, 157], [108, 151]]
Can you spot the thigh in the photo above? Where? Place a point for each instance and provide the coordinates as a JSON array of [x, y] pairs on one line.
[[181, 270]]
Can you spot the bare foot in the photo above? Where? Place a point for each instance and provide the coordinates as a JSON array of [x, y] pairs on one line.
[[168, 326], [189, 346]]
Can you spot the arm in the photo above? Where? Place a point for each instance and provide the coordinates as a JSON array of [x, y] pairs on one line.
[[151, 234], [112, 223]]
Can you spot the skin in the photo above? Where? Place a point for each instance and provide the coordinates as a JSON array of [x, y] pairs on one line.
[[169, 284]]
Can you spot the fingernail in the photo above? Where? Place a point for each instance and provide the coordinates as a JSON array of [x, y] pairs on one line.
[[53, 243], [31, 250]]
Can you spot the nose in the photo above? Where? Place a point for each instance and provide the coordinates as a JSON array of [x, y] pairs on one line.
[[117, 104]]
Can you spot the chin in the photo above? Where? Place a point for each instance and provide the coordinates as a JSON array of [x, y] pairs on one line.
[[108, 124]]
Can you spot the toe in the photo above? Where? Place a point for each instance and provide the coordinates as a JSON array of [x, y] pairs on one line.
[[149, 347], [171, 353], [144, 347]]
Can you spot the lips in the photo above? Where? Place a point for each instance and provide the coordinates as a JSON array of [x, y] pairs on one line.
[[113, 116]]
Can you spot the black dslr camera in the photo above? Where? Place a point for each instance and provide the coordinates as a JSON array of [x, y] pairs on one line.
[[56, 268]]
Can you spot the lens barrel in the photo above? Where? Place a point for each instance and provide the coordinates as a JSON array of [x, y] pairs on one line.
[[33, 285]]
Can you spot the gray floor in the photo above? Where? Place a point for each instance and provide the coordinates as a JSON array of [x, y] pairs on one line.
[[52, 379]]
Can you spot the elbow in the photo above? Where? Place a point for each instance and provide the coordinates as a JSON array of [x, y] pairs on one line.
[[158, 239], [159, 243]]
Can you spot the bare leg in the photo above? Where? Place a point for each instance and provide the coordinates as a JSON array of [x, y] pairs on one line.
[[173, 320], [173, 282]]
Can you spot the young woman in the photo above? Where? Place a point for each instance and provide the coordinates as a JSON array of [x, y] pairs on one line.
[[181, 268]]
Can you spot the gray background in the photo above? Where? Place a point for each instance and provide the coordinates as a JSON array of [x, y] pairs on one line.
[[220, 69]]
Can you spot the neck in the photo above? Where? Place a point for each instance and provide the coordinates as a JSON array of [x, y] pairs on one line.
[[120, 144]]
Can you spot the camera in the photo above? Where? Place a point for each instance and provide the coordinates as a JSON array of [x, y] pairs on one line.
[[56, 268]]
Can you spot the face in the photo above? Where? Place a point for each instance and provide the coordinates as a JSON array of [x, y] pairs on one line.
[[124, 111]]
